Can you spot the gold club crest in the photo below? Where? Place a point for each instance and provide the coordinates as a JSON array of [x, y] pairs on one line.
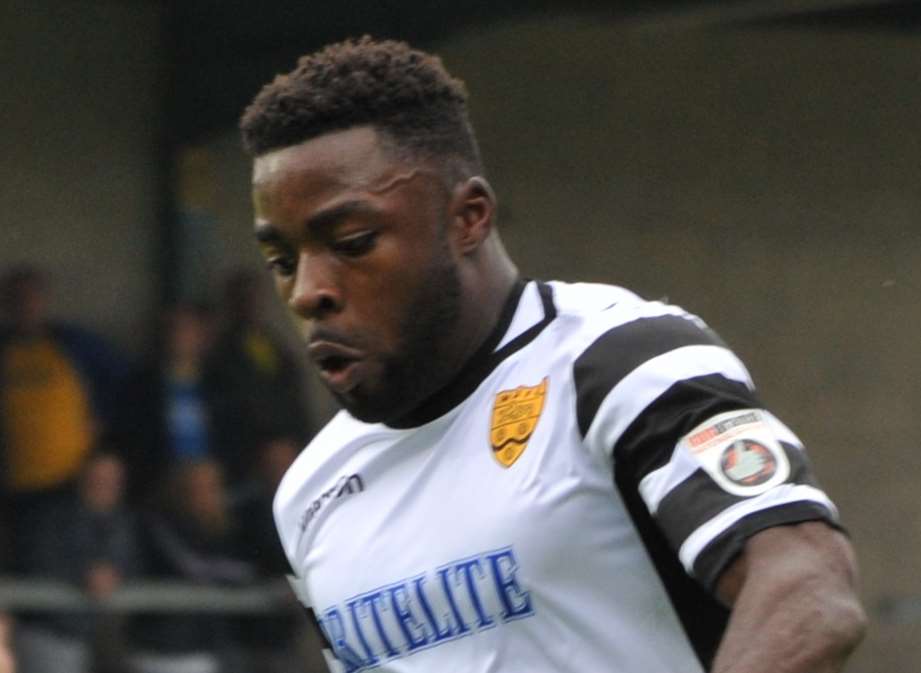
[[514, 416]]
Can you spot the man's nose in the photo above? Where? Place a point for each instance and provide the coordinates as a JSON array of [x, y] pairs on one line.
[[315, 293]]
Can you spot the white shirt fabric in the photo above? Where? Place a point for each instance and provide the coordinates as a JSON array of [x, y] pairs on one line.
[[570, 510]]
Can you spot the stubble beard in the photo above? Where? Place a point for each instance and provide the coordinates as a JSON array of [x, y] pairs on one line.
[[416, 369]]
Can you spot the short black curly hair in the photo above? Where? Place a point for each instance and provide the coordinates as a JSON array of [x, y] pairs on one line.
[[402, 92]]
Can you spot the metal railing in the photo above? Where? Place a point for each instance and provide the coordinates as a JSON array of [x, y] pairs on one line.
[[148, 596]]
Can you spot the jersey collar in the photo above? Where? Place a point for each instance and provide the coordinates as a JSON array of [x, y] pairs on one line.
[[527, 311]]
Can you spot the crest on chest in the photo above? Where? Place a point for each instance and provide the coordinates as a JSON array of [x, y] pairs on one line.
[[515, 414]]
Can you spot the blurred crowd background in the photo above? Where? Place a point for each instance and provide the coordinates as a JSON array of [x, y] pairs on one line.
[[164, 467], [754, 162]]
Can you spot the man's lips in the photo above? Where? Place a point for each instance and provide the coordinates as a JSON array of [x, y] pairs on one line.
[[339, 365]]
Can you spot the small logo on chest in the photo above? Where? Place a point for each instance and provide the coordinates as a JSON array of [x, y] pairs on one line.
[[345, 485], [515, 414]]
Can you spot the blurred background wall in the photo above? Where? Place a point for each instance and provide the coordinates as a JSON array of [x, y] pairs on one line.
[[764, 175], [81, 91]]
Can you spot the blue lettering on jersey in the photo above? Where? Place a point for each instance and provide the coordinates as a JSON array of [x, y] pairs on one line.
[[456, 600], [460, 627], [439, 633], [466, 568], [332, 625], [414, 632], [370, 659], [374, 602], [516, 603]]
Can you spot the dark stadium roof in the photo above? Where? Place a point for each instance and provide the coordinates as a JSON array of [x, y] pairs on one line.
[[223, 50]]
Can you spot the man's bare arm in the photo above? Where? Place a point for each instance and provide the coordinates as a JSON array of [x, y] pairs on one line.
[[795, 605]]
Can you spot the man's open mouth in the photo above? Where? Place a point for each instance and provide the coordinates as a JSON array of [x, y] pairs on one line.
[[335, 363], [339, 365]]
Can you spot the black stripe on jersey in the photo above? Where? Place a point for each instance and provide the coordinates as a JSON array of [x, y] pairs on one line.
[[703, 618], [649, 441], [698, 499], [723, 549], [646, 445], [485, 360], [622, 349], [526, 337]]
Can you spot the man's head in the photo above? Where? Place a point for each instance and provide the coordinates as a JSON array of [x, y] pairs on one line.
[[418, 109], [24, 291], [102, 482], [372, 215], [195, 489], [186, 333]]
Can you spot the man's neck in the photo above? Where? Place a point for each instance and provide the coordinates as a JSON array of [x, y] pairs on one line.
[[491, 320]]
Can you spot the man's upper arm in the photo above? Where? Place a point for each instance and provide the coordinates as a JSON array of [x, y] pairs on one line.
[[790, 552], [703, 469], [794, 595], [690, 442]]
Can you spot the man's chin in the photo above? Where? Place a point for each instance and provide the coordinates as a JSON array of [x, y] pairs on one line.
[[379, 409]]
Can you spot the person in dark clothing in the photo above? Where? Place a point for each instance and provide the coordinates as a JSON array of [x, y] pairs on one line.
[[254, 381], [189, 537], [166, 414], [267, 643], [58, 386], [89, 541]]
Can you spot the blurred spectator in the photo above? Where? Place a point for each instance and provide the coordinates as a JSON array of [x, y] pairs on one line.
[[7, 661], [188, 538], [57, 384], [255, 381], [165, 416], [87, 540], [268, 642]]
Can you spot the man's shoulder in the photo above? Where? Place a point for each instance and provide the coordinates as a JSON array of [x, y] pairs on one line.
[[586, 299], [593, 312], [337, 439], [623, 348]]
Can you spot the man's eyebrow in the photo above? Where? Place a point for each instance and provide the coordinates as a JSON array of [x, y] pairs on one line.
[[327, 218], [316, 223]]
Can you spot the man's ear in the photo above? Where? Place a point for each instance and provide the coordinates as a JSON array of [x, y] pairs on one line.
[[473, 208]]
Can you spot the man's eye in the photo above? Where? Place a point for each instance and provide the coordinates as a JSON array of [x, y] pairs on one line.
[[283, 266], [355, 245]]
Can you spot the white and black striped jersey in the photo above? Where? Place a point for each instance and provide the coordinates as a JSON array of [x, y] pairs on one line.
[[566, 505]]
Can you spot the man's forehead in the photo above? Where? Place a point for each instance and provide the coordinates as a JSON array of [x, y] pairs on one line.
[[355, 154], [346, 166]]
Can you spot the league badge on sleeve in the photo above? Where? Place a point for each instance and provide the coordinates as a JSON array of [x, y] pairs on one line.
[[740, 451], [747, 463], [514, 416]]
